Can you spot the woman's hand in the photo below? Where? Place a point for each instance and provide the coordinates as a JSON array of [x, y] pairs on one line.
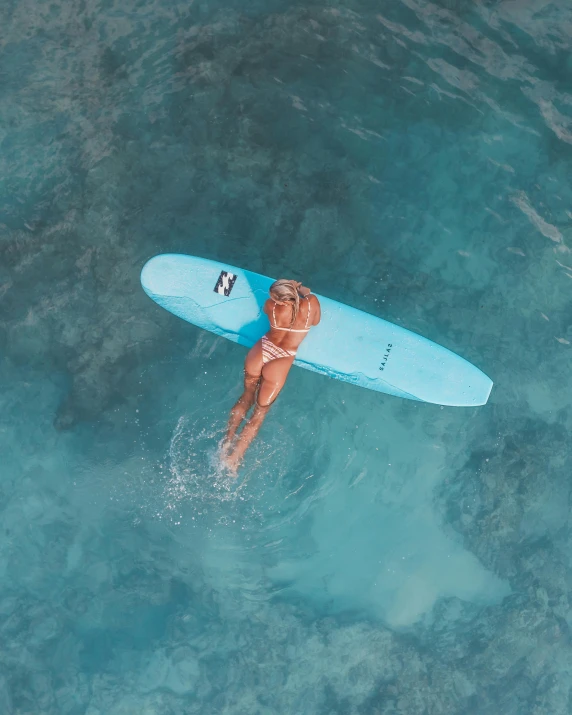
[[303, 290]]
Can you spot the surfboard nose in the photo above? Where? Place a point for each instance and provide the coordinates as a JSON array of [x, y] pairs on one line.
[[171, 275], [157, 275]]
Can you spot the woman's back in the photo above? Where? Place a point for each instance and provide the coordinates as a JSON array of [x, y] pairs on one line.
[[285, 333]]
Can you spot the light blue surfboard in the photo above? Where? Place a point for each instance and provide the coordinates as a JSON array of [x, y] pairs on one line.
[[348, 344]]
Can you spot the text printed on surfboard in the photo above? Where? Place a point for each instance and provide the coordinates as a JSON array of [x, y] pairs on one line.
[[225, 283], [385, 357]]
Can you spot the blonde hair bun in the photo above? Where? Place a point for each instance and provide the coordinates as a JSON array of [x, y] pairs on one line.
[[286, 291]]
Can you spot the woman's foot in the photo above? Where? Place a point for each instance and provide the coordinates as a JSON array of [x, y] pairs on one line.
[[225, 445], [231, 463]]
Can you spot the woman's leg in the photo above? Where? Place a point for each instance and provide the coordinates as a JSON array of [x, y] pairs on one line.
[[274, 376], [252, 375]]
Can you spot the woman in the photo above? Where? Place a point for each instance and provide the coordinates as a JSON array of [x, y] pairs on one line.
[[292, 310]]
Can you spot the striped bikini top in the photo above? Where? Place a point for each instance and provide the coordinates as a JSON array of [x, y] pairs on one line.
[[290, 330]]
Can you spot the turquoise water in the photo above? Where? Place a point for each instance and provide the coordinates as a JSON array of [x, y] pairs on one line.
[[376, 556]]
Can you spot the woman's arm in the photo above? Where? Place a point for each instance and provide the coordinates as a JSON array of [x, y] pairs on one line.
[[315, 303], [317, 310]]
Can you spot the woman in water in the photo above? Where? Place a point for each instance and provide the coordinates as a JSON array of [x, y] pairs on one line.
[[292, 310]]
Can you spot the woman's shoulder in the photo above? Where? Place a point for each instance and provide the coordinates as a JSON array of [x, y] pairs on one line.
[[315, 309]]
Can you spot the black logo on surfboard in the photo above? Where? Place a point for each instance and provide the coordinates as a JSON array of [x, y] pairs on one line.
[[225, 283], [385, 356]]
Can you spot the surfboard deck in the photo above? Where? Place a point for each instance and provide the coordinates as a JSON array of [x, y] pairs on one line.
[[348, 344]]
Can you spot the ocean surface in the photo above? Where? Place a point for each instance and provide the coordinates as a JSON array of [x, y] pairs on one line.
[[375, 556]]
